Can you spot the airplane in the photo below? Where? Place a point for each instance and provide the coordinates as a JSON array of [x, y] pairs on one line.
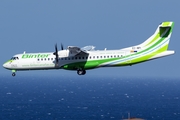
[[82, 59]]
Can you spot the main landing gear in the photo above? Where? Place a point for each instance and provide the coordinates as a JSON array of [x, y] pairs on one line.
[[81, 72]]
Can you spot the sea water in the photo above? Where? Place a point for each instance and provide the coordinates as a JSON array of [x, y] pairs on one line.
[[88, 98]]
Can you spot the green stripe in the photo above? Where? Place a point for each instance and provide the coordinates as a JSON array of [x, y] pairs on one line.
[[95, 63], [146, 57], [155, 38], [9, 61], [165, 24]]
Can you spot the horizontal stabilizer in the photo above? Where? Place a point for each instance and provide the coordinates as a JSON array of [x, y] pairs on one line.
[[163, 54]]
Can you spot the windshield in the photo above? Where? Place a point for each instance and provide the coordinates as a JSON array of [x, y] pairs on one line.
[[14, 58]]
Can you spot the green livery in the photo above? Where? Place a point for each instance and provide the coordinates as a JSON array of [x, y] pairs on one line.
[[24, 56], [82, 59]]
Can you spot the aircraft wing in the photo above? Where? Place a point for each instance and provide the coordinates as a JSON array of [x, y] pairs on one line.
[[76, 50]]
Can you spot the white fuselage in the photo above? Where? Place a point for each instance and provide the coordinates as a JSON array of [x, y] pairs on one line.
[[37, 61], [82, 59]]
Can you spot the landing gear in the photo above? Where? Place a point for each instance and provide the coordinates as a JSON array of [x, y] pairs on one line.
[[81, 72], [13, 74]]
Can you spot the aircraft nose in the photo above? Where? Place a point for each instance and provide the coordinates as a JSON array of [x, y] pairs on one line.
[[7, 65], [4, 65]]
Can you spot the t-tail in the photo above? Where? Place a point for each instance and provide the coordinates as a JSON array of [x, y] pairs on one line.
[[156, 46]]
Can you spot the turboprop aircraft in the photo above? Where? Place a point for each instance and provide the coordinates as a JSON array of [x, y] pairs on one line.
[[82, 59]]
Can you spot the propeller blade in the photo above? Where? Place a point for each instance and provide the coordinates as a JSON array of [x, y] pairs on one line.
[[56, 50], [62, 48], [56, 54]]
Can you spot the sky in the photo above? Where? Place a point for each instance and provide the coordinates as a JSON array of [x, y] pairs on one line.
[[36, 26]]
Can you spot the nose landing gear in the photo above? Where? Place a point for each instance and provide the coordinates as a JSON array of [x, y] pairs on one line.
[[13, 73]]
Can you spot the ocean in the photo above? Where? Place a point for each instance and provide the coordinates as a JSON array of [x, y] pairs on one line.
[[84, 98]]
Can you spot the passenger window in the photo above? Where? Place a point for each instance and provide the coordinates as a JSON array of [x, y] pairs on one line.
[[97, 56], [44, 58], [41, 59], [38, 59], [93, 56], [79, 57]]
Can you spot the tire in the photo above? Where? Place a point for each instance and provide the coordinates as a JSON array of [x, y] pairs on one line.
[[13, 74], [81, 72]]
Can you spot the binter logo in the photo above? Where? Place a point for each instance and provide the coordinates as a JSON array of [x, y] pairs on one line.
[[35, 56]]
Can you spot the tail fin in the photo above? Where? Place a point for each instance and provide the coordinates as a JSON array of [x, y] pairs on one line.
[[160, 38], [154, 47]]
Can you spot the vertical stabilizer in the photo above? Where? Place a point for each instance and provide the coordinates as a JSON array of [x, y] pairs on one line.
[[161, 37]]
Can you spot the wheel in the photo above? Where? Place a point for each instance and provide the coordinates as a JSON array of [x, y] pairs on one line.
[[13, 74], [81, 72], [84, 72]]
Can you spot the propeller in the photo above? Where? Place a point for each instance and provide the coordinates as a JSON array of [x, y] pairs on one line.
[[62, 48], [56, 54]]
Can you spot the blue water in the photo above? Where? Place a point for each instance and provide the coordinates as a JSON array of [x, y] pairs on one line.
[[83, 98]]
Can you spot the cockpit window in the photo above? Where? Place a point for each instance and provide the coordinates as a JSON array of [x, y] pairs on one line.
[[14, 58]]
